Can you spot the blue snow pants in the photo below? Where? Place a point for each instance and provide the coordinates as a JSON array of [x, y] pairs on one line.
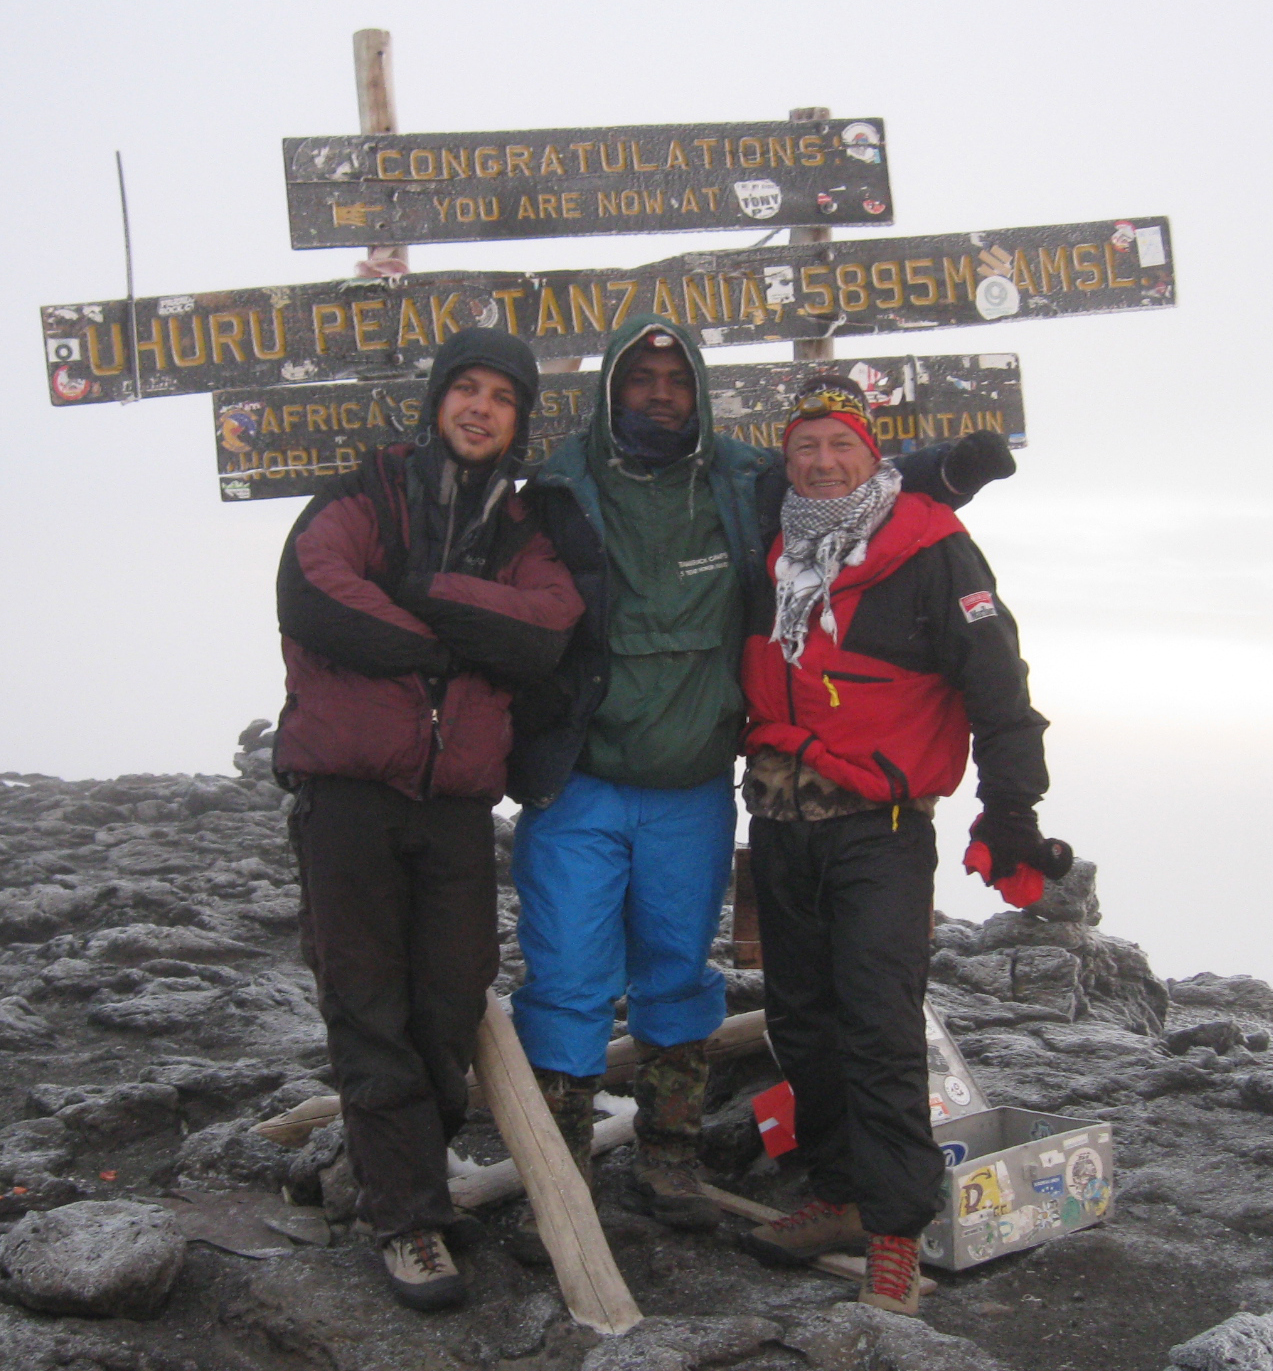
[[621, 890]]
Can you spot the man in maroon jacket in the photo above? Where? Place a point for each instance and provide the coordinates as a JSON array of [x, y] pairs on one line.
[[889, 648], [414, 596]]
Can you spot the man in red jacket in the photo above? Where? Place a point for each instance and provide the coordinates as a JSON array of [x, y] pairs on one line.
[[414, 596], [889, 646]]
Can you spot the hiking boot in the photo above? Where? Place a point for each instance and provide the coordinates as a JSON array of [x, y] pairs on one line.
[[798, 1238], [670, 1193], [421, 1271], [892, 1274], [569, 1101]]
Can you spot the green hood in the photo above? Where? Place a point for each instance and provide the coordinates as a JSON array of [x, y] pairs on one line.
[[600, 431]]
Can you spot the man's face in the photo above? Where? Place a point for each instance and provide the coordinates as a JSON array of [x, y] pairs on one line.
[[660, 385], [478, 414], [826, 459]]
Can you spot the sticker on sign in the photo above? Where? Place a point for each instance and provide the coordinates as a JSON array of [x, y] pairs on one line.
[[758, 199]]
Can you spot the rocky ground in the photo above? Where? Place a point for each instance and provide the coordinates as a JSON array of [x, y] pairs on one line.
[[153, 1007]]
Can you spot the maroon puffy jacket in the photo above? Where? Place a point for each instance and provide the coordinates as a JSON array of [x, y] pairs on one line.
[[419, 698]]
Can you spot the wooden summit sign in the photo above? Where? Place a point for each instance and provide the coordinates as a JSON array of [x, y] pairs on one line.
[[290, 440], [391, 327], [359, 190]]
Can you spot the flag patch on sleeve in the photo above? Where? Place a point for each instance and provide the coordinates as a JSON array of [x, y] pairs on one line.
[[979, 605]]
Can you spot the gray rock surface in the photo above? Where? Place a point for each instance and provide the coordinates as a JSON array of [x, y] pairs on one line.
[[107, 1258], [158, 1007], [1242, 1343], [664, 1344], [855, 1337]]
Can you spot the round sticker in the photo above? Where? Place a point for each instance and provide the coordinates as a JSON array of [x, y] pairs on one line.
[[69, 387], [958, 1091], [954, 1152], [1082, 1168], [758, 199], [997, 297], [932, 1247], [861, 140], [237, 425]]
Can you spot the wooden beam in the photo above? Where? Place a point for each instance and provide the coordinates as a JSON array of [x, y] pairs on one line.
[[747, 952], [811, 349], [373, 75], [501, 1180], [738, 1036], [594, 1291]]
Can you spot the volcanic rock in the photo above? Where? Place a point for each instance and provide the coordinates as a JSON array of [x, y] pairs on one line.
[[663, 1344], [108, 1258], [1242, 1343], [21, 1028], [150, 967], [856, 1337]]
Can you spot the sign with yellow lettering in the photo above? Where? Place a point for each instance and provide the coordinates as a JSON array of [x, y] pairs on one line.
[[389, 329], [291, 440], [445, 187]]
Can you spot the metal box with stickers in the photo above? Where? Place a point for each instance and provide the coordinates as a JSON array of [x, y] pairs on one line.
[[1014, 1178]]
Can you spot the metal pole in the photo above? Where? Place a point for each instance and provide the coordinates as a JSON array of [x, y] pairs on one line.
[[811, 349], [132, 297], [373, 75]]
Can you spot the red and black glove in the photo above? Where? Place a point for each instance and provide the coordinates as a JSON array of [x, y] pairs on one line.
[[1008, 852]]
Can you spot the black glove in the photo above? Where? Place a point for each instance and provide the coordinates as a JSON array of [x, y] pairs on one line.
[[976, 460], [1012, 837]]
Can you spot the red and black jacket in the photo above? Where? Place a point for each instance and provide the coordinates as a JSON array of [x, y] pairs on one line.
[[923, 654], [403, 677]]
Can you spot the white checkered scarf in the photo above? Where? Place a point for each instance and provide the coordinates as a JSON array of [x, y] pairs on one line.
[[820, 538]]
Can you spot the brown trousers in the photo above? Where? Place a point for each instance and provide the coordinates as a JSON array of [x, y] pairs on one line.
[[398, 925]]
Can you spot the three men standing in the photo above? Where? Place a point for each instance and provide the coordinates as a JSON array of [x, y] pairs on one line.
[[427, 621]]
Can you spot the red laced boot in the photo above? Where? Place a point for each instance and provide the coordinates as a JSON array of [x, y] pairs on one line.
[[892, 1274]]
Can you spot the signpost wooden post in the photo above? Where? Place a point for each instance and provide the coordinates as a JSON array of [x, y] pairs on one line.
[[373, 74], [811, 349]]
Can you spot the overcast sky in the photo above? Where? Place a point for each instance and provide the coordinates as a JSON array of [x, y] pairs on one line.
[[137, 628]]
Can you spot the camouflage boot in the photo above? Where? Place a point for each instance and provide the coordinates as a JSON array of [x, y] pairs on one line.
[[569, 1101], [669, 1088]]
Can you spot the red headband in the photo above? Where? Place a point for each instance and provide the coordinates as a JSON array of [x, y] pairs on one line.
[[846, 417]]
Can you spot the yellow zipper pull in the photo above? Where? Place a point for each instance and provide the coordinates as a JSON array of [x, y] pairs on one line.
[[831, 690], [897, 809]]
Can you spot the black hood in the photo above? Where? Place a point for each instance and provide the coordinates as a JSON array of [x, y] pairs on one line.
[[489, 347]]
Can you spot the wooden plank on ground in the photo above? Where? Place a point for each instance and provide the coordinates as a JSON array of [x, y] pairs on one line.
[[593, 1289]]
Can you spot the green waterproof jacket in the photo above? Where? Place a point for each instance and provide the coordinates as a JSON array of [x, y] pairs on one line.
[[670, 565]]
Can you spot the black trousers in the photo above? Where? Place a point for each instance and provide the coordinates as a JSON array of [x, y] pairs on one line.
[[398, 925], [844, 910]]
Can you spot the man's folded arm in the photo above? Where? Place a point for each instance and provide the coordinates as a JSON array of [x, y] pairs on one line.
[[517, 629], [328, 605]]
